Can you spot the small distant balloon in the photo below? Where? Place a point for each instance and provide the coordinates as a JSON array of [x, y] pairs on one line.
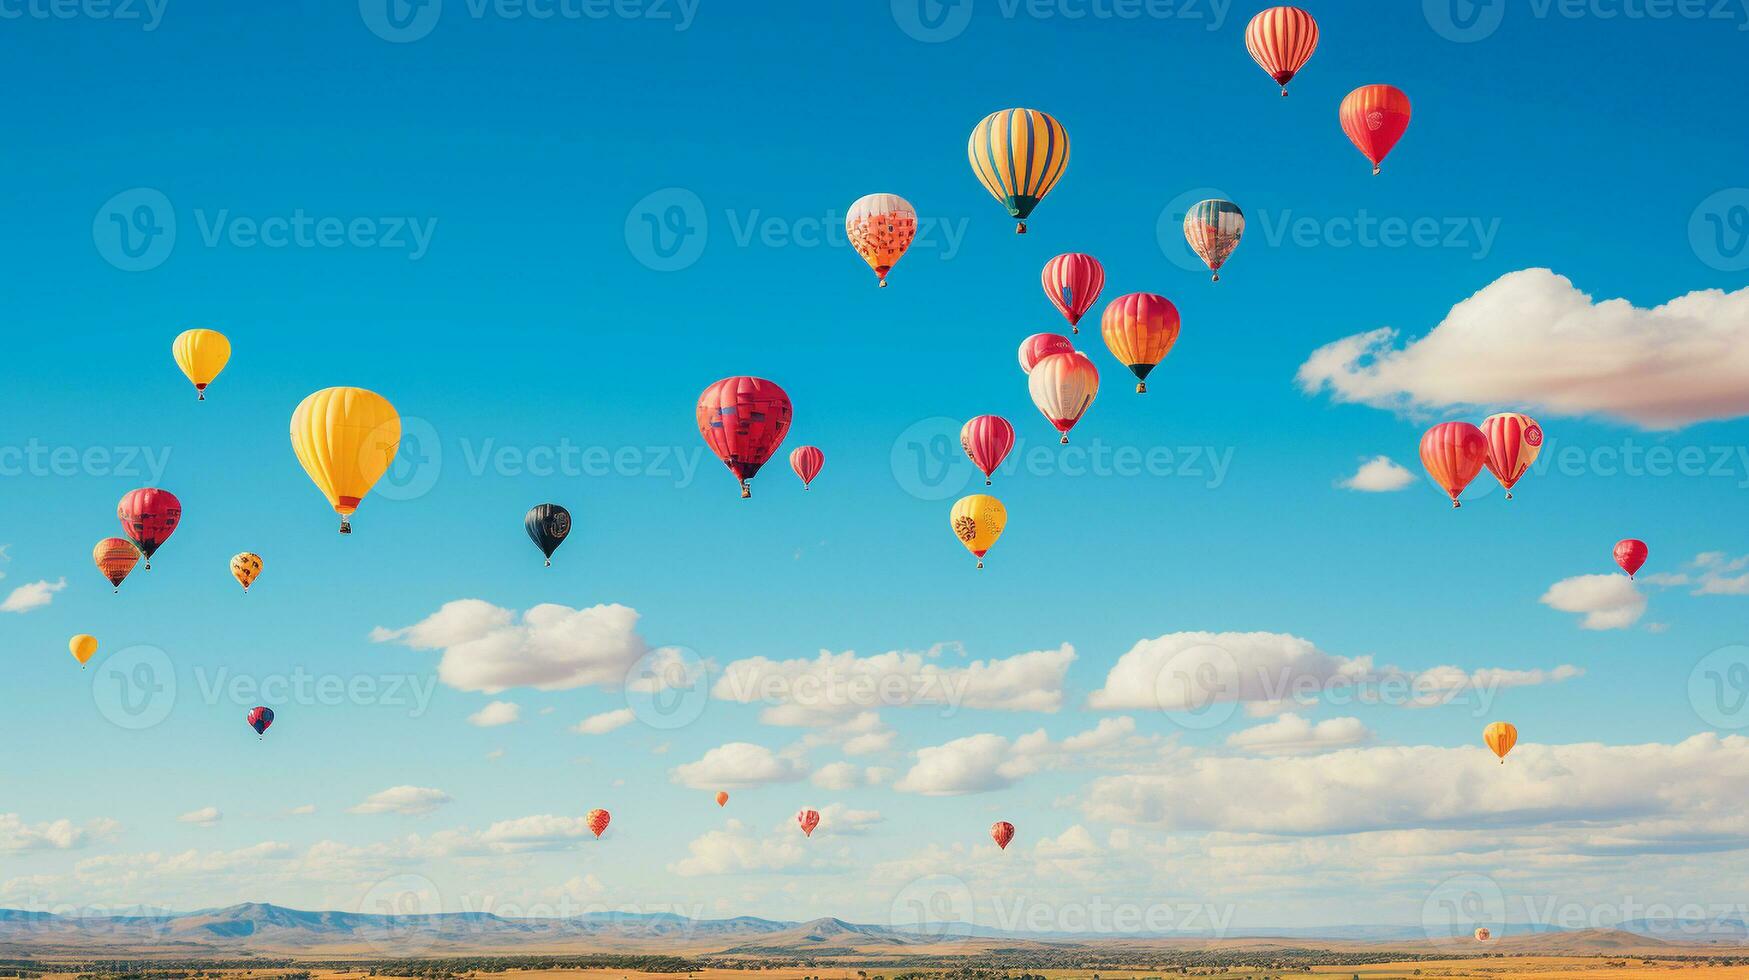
[[1213, 228], [597, 821], [987, 440], [260, 719], [244, 568], [83, 647], [1514, 440], [807, 461], [722, 798], [1281, 40], [1002, 832], [1063, 387], [1072, 283], [115, 558], [1453, 453], [808, 820], [201, 354], [1482, 934], [881, 227], [977, 521], [1630, 554], [1500, 737], [1375, 117], [1041, 345], [547, 525]]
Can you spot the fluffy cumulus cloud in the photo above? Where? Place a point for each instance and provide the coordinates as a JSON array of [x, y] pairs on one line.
[[735, 849], [495, 714], [986, 762], [18, 836], [409, 800], [550, 647], [847, 775], [33, 595], [1709, 573], [1380, 474], [1532, 339], [206, 816], [1292, 734], [738, 765], [605, 722], [1608, 602]]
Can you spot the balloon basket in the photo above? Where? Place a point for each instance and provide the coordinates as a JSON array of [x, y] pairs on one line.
[[549, 563], [1375, 170], [345, 526], [1141, 387], [1020, 228], [980, 563], [1065, 439], [1215, 278]]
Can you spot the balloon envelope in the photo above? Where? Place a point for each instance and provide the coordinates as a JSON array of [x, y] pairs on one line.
[[83, 647], [345, 438], [598, 820], [807, 461], [245, 567], [1281, 40], [1500, 736], [1002, 832], [881, 227], [201, 354], [987, 440], [808, 820], [1072, 282], [1630, 554], [1041, 345], [1018, 155], [1140, 330], [1212, 228], [1375, 117], [260, 719], [1063, 387], [743, 420], [115, 558], [547, 526], [1514, 440], [722, 798], [977, 521], [148, 517], [1453, 453]]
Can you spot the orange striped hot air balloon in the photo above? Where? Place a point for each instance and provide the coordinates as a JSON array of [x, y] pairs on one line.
[[881, 227], [1140, 329], [1501, 736], [1513, 442], [1374, 117], [1454, 453], [1019, 155], [1063, 386], [598, 820], [1281, 40], [115, 558]]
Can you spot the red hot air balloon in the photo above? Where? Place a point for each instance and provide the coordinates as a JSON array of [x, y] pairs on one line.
[[1374, 117], [597, 821], [1453, 453], [1002, 832], [1281, 40], [115, 558], [1063, 386], [987, 440], [1630, 554], [808, 820], [722, 798], [1514, 440], [148, 517], [743, 420], [1073, 281], [260, 719], [806, 461], [1042, 345]]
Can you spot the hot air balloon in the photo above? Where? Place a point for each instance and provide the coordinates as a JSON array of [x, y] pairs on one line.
[[1630, 554], [115, 558], [1072, 281], [806, 461], [148, 517], [83, 648], [1063, 386], [1482, 934], [1002, 832], [1019, 155], [1212, 228], [743, 420], [260, 719], [598, 820], [1453, 453], [808, 820], [1374, 117], [881, 227], [1501, 737], [1281, 40], [201, 354], [1042, 345], [977, 521], [346, 438], [987, 440], [1513, 442], [244, 568], [722, 798], [547, 525], [1140, 329]]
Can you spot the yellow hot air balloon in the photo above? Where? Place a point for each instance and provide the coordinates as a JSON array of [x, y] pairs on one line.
[[201, 354], [346, 438], [977, 521], [1501, 737], [244, 568], [1019, 155], [83, 647]]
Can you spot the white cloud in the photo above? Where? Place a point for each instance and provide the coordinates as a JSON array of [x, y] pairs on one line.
[[551, 648], [838, 820], [495, 714], [33, 595], [1380, 474], [738, 765], [734, 850], [847, 775], [1532, 341], [204, 817], [18, 837], [302, 811], [1292, 734], [1609, 602], [412, 800], [985, 762], [605, 722]]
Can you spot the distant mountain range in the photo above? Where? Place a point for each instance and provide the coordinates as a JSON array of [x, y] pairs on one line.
[[270, 930]]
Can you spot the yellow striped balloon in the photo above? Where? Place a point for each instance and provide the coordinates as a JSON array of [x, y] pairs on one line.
[[1019, 155]]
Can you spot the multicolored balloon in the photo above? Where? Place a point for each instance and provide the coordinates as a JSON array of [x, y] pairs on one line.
[[201, 354], [83, 647], [1019, 155], [881, 227], [148, 517], [807, 461], [1514, 439], [115, 558], [987, 440], [244, 568], [1500, 736], [597, 821], [1374, 117], [1042, 345], [260, 719], [1212, 228], [1453, 452], [808, 820], [1140, 329], [1281, 40], [547, 525], [977, 521], [1002, 832], [1630, 554], [1063, 387], [345, 438], [1072, 282], [743, 420]]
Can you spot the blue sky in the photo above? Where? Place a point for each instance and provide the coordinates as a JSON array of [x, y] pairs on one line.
[[495, 171]]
